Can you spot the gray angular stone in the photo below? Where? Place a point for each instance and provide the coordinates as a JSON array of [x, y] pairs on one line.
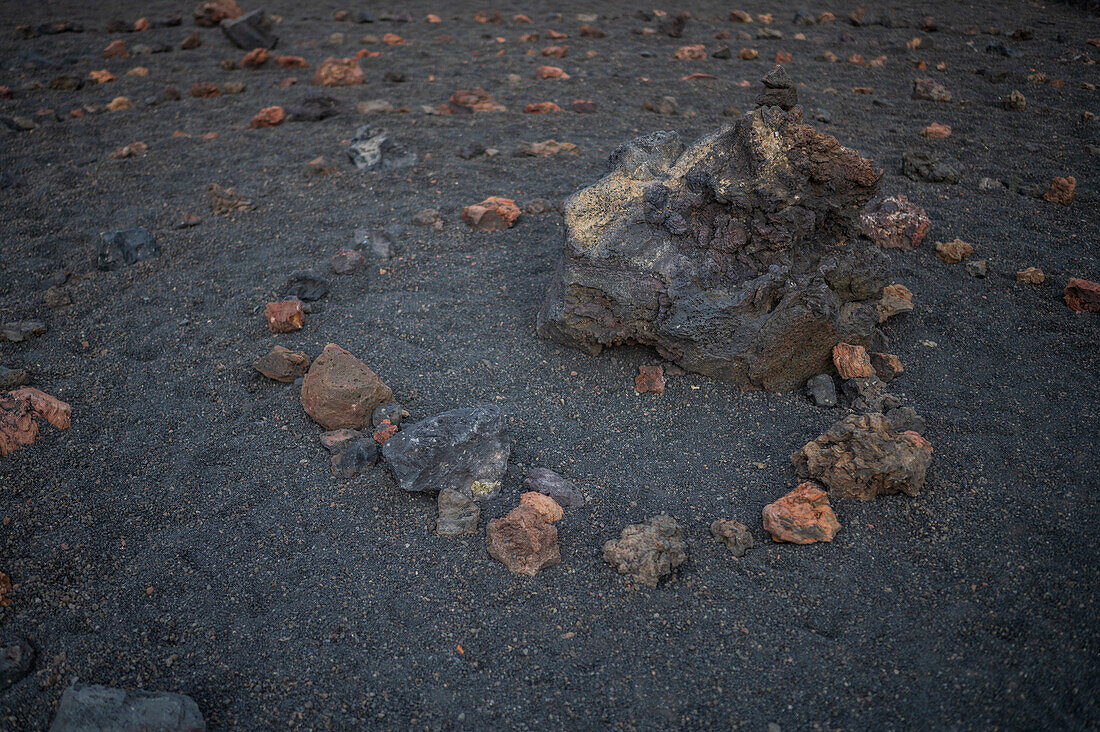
[[16, 661], [251, 30], [822, 390], [733, 534], [372, 148], [391, 411], [906, 419], [305, 285], [551, 484], [125, 247], [465, 450], [927, 167], [88, 708], [458, 513], [868, 395], [21, 330], [739, 258], [357, 457], [648, 551]]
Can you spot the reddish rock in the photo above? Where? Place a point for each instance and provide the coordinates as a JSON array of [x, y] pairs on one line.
[[101, 76], [550, 509], [492, 214], [740, 16], [650, 379], [118, 104], [895, 223], [476, 100], [1031, 276], [141, 24], [340, 391], [747, 54], [115, 49], [1062, 190], [591, 31], [936, 131], [546, 148], [953, 251], [887, 366], [384, 431], [20, 411], [555, 51], [541, 108], [211, 13], [582, 106], [291, 62], [392, 39], [192, 42], [550, 72], [782, 57], [268, 117], [205, 89], [282, 364], [1082, 295], [524, 541], [554, 35], [339, 72], [863, 456], [803, 516], [690, 53], [852, 362], [255, 58], [284, 317], [432, 18], [896, 299]]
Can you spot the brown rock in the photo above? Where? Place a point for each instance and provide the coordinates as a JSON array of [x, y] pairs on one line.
[[887, 366], [546, 147], [895, 223], [20, 411], [118, 104], [541, 108], [733, 534], [648, 551], [896, 299], [863, 456], [1082, 295], [115, 49], [492, 214], [226, 200], [339, 72], [458, 513], [141, 24], [555, 51], [342, 391], [747, 54], [550, 72], [209, 14], [650, 379], [1031, 276], [740, 16], [1062, 190], [476, 100], [803, 516], [255, 58], [102, 76], [205, 89], [953, 251], [283, 364], [392, 39], [384, 431], [690, 53], [550, 510], [782, 57], [936, 131], [284, 317], [591, 31], [929, 90], [291, 62], [852, 362], [192, 42], [524, 541], [268, 117]]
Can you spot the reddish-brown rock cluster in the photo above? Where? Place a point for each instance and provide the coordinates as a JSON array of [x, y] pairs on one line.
[[20, 413]]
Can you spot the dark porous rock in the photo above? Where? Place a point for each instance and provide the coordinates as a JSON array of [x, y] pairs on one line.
[[282, 364], [380, 243], [822, 390], [778, 91], [122, 248], [863, 456], [16, 661], [895, 223], [868, 394], [314, 108], [87, 707], [336, 441], [928, 90], [340, 391], [392, 411], [21, 330], [927, 167], [347, 262], [738, 258], [464, 449], [373, 148], [11, 378], [648, 551], [549, 483], [734, 534], [251, 30], [458, 513], [357, 457], [305, 285], [906, 419]]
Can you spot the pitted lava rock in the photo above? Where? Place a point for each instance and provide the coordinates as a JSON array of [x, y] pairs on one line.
[[863, 456], [738, 258], [20, 411], [525, 540], [803, 516], [896, 223], [340, 391], [648, 551]]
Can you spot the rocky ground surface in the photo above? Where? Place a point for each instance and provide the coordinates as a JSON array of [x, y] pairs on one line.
[[183, 529]]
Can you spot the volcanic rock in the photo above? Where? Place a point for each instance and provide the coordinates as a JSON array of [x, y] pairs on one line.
[[12, 378], [339, 72], [1082, 295], [86, 707], [122, 248], [524, 540], [314, 108], [492, 214], [392, 413], [1062, 190], [895, 223], [476, 100], [16, 660], [928, 90], [650, 379], [458, 513], [347, 262], [305, 285], [545, 148], [267, 117], [953, 251], [284, 317], [863, 456], [822, 390], [356, 458], [383, 431], [726, 257], [251, 30], [852, 362], [466, 450], [778, 91], [1031, 276], [549, 483], [226, 200], [21, 330], [906, 419], [282, 364], [211, 13], [803, 516], [896, 299], [341, 391], [927, 167], [648, 551], [372, 147], [734, 534], [887, 366], [20, 411]]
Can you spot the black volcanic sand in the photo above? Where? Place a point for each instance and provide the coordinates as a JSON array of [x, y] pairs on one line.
[[186, 533]]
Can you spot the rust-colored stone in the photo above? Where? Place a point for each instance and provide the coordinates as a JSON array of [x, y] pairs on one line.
[[550, 72], [209, 14], [887, 366], [690, 53], [116, 49], [476, 100], [1082, 295], [255, 58], [291, 62], [384, 431], [541, 108], [205, 89], [339, 72], [492, 214], [803, 516], [650, 379], [283, 364], [285, 317], [549, 508], [392, 39], [852, 362], [936, 131], [19, 411], [524, 541], [953, 251], [555, 51], [1062, 190], [341, 391], [895, 223], [268, 117], [895, 299], [1031, 276]]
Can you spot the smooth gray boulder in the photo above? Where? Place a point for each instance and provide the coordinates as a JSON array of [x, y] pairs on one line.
[[90, 708]]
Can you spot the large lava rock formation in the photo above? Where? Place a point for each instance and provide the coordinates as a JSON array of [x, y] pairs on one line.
[[739, 257]]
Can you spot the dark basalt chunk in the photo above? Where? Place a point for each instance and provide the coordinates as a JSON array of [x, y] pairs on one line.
[[251, 30]]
